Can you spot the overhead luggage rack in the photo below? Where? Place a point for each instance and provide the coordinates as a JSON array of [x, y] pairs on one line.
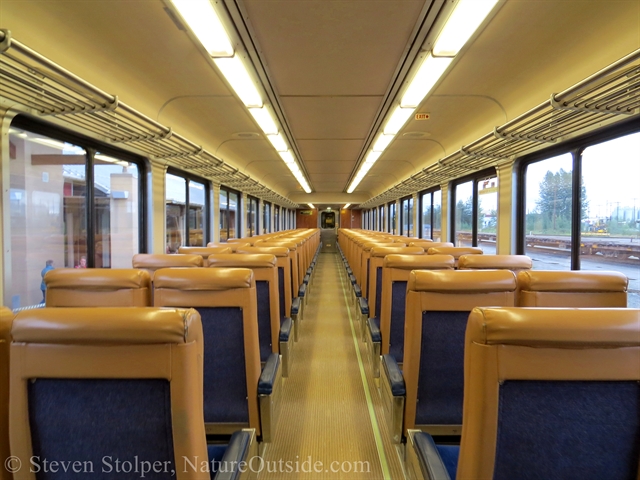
[[609, 95], [40, 87]]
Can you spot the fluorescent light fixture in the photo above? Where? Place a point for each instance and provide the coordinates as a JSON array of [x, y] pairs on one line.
[[265, 121], [238, 77], [397, 120], [287, 157], [372, 157], [465, 19], [346, 206], [206, 26], [278, 142], [311, 205], [423, 81], [382, 142]]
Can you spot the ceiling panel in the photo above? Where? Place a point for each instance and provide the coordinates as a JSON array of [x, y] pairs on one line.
[[332, 47], [329, 150], [328, 166]]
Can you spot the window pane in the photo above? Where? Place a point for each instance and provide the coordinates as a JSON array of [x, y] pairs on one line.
[[548, 213], [196, 214], [426, 216], [47, 212], [234, 228], [175, 202], [224, 216], [487, 214], [381, 218], [437, 216], [267, 217], [276, 218], [610, 223], [410, 219], [392, 218], [116, 211], [464, 214]]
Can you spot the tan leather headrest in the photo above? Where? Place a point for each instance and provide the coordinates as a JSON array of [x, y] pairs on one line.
[[384, 251], [233, 246], [236, 240], [573, 281], [102, 279], [165, 260], [555, 327], [110, 326], [456, 252], [484, 262], [204, 252], [291, 245], [427, 245], [277, 251], [6, 319], [368, 245], [462, 281], [203, 279], [242, 260], [419, 262]]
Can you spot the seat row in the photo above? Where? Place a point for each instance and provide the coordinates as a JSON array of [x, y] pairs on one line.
[[117, 391]]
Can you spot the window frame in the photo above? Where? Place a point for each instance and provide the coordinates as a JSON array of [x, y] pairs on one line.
[[256, 228], [238, 222], [430, 192], [91, 147], [575, 147], [476, 178]]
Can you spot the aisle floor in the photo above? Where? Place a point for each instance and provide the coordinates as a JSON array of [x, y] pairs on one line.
[[331, 424]]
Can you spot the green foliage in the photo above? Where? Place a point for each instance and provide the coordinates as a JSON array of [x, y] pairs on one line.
[[553, 209]]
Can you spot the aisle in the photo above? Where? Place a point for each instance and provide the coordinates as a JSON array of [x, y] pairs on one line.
[[326, 429]]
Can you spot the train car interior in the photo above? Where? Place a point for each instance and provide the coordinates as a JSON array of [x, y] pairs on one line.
[[350, 239]]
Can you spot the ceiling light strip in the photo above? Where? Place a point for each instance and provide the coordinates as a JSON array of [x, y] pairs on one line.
[[464, 20]]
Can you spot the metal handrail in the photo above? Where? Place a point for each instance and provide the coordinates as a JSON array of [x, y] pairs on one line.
[[39, 86]]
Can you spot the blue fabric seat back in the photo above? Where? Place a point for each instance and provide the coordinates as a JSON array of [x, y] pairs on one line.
[[283, 314], [378, 292], [441, 379], [368, 282], [225, 377], [568, 430], [396, 334], [264, 319], [98, 422]]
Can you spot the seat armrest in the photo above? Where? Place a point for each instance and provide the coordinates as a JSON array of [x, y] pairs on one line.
[[295, 306], [303, 290], [352, 279], [374, 330], [237, 451], [364, 306], [431, 463], [357, 290], [394, 374], [306, 279], [285, 329], [269, 375]]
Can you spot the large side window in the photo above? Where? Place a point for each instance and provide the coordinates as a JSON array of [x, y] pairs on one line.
[[229, 214], [276, 218], [430, 217], [72, 203], [266, 215], [185, 208], [392, 218], [476, 211], [581, 209], [381, 218], [406, 224], [253, 226]]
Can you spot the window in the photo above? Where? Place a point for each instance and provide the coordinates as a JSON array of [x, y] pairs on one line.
[[253, 226], [476, 211], [267, 217], [430, 218], [185, 207], [381, 217], [580, 209], [392, 218], [406, 226], [72, 203], [276, 218], [229, 214]]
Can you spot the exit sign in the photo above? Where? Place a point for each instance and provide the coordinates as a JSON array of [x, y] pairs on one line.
[[423, 116]]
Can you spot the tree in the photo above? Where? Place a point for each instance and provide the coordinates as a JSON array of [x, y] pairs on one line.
[[555, 201]]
